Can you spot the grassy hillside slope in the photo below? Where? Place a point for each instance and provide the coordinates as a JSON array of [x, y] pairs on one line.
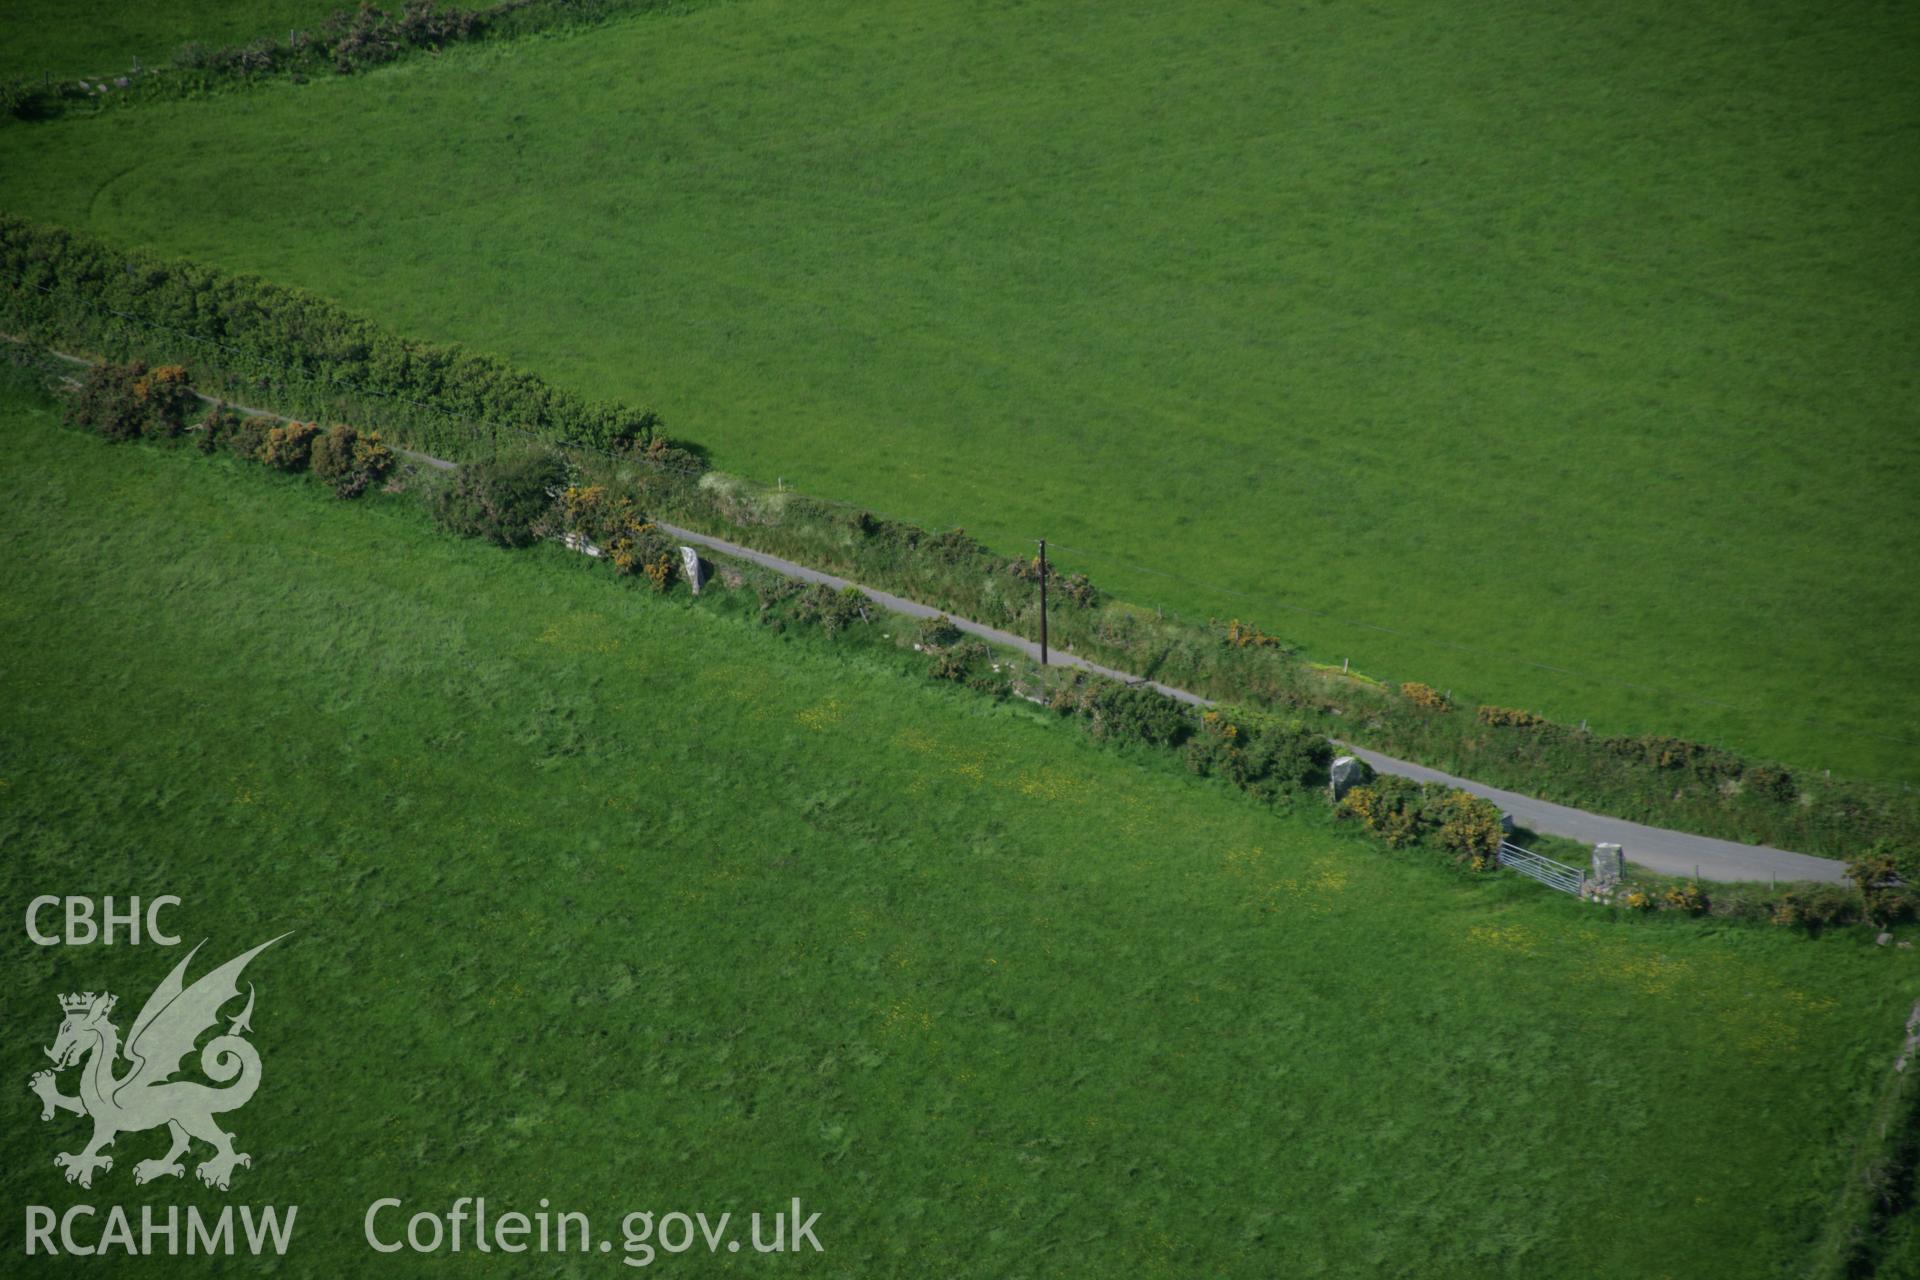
[[630, 904], [1558, 358]]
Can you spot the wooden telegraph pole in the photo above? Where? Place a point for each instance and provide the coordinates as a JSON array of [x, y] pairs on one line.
[[1043, 602]]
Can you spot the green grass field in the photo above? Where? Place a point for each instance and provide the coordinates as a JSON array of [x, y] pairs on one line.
[[632, 904], [1569, 347], [69, 38]]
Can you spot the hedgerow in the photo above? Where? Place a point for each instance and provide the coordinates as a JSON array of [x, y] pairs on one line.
[[348, 40], [833, 609], [246, 337], [1122, 713], [1888, 879], [1259, 754], [129, 401], [505, 500]]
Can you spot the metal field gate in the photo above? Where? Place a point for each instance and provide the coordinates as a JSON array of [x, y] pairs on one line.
[[1555, 875]]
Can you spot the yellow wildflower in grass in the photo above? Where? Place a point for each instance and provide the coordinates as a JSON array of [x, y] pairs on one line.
[[1773, 1023], [1317, 881], [1512, 938], [1656, 974], [905, 1016], [817, 718], [914, 740], [1241, 863], [1811, 1004], [1331, 876], [1050, 784], [581, 633]]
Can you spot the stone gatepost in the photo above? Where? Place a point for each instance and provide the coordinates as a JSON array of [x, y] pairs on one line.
[[690, 566], [1346, 773], [1609, 865]]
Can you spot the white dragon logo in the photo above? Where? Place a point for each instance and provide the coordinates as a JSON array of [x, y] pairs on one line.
[[146, 1097]]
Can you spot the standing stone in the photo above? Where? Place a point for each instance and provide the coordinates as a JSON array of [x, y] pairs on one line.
[[691, 567], [1346, 773], [1507, 824], [1609, 864]]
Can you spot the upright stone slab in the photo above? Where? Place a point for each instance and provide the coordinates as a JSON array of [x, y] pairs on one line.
[[691, 567], [1507, 824], [1345, 774], [1609, 864]]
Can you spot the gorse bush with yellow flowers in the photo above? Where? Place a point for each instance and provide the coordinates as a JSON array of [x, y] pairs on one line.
[[349, 461], [1387, 808], [1688, 897], [1508, 718], [1244, 635], [1469, 828], [165, 399], [289, 446], [613, 523], [1802, 905], [1403, 813], [130, 401]]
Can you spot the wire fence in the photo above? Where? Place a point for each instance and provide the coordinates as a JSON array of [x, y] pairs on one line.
[[308, 393]]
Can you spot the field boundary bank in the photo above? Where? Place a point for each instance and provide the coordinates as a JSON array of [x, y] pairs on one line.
[[1663, 783], [1879, 1188], [348, 40], [1658, 849]]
